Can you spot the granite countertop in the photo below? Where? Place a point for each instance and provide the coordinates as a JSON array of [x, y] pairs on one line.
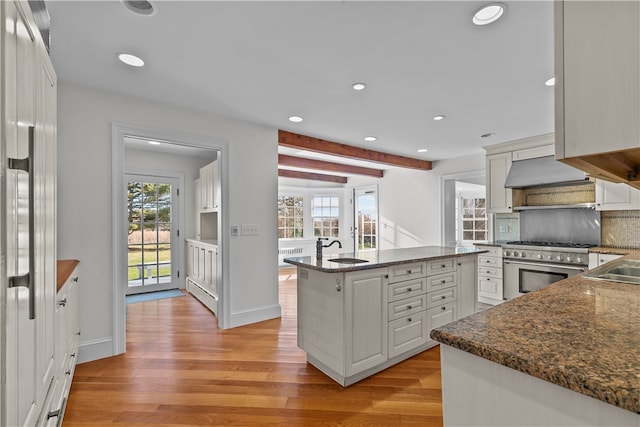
[[65, 267], [380, 258], [609, 250], [578, 333]]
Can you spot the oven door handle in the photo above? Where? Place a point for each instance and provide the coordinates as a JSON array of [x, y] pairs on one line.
[[568, 267]]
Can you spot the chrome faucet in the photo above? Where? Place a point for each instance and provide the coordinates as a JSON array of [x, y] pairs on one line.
[[319, 245]]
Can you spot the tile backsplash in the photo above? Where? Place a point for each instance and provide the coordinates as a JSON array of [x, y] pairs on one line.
[[620, 229]]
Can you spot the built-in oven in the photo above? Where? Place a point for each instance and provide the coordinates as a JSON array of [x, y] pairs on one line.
[[521, 277]]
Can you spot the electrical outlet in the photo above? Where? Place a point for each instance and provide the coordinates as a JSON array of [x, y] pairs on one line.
[[304, 274], [504, 229], [249, 229]]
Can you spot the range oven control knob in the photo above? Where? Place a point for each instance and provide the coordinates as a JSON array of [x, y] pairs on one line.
[[523, 254], [507, 253], [540, 256], [515, 253], [549, 257], [559, 257], [579, 260], [568, 259]]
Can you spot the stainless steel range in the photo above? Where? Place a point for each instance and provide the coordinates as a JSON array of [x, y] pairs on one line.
[[530, 265]]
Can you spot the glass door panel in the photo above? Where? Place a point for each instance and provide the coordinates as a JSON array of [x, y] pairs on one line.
[[366, 219]]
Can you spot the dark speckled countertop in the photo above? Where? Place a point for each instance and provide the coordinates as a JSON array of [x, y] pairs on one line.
[[578, 333], [380, 258]]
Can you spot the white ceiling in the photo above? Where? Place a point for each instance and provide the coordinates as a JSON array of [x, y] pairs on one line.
[[265, 61]]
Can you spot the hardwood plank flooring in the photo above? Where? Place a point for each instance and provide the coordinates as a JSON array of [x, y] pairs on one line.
[[181, 370]]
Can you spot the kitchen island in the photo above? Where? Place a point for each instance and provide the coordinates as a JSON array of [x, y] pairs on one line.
[[360, 313], [567, 354]]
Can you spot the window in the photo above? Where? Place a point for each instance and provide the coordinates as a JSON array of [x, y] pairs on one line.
[[290, 217], [472, 221], [325, 214]]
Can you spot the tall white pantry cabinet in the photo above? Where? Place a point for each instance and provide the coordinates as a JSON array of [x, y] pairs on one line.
[[28, 220]]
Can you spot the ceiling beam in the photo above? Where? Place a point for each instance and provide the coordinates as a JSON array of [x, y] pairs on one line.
[[300, 162], [302, 142], [285, 173]]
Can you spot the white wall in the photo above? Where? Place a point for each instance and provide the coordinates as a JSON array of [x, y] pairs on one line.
[[85, 116], [410, 201]]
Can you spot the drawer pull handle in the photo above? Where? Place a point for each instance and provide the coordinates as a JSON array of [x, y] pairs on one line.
[[386, 276], [488, 272], [75, 279], [408, 307], [408, 289], [444, 281], [409, 319], [408, 271], [68, 373], [444, 308], [488, 261], [444, 297], [444, 266], [62, 302]]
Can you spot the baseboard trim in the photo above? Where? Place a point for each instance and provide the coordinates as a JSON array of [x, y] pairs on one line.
[[261, 314], [95, 349]]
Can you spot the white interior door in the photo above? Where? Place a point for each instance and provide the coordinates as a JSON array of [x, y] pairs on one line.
[[153, 234], [365, 207]]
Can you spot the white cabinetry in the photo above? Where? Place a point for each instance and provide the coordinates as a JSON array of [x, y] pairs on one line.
[[596, 259], [203, 272], [28, 243], [499, 198], [209, 187], [442, 300], [467, 290], [490, 289], [597, 93], [611, 196]]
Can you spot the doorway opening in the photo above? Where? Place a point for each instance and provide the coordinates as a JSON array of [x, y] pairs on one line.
[[365, 213], [152, 233], [464, 217]]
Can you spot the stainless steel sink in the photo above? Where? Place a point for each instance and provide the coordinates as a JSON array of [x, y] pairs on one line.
[[624, 271], [348, 260]]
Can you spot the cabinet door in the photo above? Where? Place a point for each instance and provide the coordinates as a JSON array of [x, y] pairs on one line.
[[490, 287], [206, 199], [407, 333], [441, 315], [215, 185], [499, 199], [210, 269], [467, 285], [615, 196], [366, 319]]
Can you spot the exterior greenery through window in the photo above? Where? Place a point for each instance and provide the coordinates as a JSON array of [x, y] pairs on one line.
[[290, 217], [325, 214], [473, 222]]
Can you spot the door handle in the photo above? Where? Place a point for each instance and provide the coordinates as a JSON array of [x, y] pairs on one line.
[[27, 280]]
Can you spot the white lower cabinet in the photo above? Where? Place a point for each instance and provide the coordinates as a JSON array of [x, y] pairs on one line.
[[490, 287], [355, 324], [203, 272], [597, 259]]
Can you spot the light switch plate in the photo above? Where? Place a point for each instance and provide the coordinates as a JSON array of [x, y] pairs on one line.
[[249, 229], [235, 231]]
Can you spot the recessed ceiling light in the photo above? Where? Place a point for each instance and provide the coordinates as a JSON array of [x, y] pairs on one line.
[[551, 82], [358, 86], [370, 138], [153, 142], [141, 7], [422, 150], [438, 117], [132, 60], [487, 135], [295, 119], [489, 13]]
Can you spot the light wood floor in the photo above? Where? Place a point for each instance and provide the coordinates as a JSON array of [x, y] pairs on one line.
[[181, 370]]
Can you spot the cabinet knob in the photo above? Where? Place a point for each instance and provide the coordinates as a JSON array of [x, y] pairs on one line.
[[409, 319], [75, 279], [459, 264], [386, 276], [338, 288], [68, 373], [444, 297], [443, 266], [408, 289], [444, 308], [408, 271], [408, 307], [62, 302], [444, 281]]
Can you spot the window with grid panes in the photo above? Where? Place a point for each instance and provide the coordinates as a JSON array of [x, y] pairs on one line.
[[325, 216], [290, 217], [472, 221]]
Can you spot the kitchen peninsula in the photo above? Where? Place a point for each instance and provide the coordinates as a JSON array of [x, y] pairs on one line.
[[567, 354], [360, 313]]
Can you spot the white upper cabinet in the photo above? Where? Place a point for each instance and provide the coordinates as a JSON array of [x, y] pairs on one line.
[[597, 68], [611, 196], [499, 198], [209, 187]]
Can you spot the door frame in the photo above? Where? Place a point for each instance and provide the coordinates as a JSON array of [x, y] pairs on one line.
[[179, 260], [119, 226]]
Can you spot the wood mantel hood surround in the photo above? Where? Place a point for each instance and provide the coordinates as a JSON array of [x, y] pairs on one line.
[[302, 142], [617, 166]]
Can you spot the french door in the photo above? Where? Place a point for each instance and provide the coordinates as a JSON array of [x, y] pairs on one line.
[[365, 208], [152, 236]]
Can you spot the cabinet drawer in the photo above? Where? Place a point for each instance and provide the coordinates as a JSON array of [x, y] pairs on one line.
[[441, 266], [441, 297], [488, 271], [407, 289], [407, 333], [406, 271], [489, 261], [494, 251], [441, 315], [489, 287], [407, 306], [441, 281]]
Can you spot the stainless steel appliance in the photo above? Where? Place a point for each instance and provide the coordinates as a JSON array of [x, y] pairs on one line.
[[531, 265]]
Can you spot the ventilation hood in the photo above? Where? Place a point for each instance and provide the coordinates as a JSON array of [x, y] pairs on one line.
[[543, 171]]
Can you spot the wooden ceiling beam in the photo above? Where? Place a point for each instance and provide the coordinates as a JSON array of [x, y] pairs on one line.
[[285, 173], [302, 142], [300, 162]]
